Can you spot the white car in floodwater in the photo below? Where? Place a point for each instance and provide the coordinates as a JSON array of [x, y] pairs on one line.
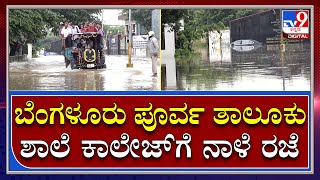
[[245, 45]]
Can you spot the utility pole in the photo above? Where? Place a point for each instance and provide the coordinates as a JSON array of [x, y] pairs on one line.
[[130, 65], [282, 46]]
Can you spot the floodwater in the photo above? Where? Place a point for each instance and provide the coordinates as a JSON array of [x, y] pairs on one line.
[[50, 73], [260, 69]]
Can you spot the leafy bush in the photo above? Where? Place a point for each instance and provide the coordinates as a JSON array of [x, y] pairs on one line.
[[185, 56]]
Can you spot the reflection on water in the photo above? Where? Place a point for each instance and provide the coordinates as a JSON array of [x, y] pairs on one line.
[[49, 73], [262, 69], [220, 54]]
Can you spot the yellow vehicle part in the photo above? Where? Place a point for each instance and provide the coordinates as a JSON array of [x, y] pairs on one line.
[[89, 55]]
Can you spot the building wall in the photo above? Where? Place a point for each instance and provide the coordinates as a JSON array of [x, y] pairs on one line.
[[257, 27], [219, 51], [214, 37]]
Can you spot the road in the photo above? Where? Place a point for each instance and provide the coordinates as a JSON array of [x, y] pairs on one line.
[[50, 73]]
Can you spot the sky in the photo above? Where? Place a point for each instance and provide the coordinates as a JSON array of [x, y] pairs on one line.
[[110, 17]]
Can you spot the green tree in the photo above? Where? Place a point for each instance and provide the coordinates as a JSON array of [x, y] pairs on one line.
[[32, 25], [76, 16], [141, 16], [172, 17], [114, 28], [193, 30], [28, 26], [198, 23], [79, 16]]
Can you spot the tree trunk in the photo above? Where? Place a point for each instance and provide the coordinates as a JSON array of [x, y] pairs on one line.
[[19, 50], [13, 49], [190, 46]]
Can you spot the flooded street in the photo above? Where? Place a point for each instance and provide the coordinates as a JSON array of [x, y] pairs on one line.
[[50, 73], [261, 69]]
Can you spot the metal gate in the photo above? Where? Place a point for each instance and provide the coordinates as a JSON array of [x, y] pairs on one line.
[[116, 44]]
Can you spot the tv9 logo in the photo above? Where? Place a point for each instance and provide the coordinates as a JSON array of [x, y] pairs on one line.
[[295, 24]]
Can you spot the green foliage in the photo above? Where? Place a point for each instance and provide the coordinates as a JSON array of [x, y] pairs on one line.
[[30, 25], [78, 16], [183, 54], [35, 49], [33, 25], [172, 17], [114, 28], [141, 16], [43, 43], [198, 23], [46, 42]]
